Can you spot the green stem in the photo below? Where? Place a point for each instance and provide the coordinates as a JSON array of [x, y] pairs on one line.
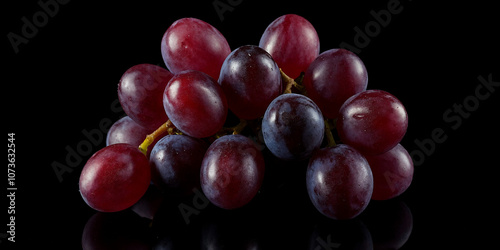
[[328, 133]]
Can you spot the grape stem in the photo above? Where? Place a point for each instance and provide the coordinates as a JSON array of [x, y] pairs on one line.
[[328, 133], [290, 82], [234, 130], [167, 127]]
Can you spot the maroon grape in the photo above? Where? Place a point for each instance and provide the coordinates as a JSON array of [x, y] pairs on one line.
[[251, 80], [293, 127], [232, 171], [339, 182], [333, 77], [392, 172], [175, 163], [293, 43], [192, 44], [195, 103], [140, 94], [372, 121], [115, 178]]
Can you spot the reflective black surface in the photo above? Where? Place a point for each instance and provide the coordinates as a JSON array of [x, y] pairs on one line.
[[440, 60]]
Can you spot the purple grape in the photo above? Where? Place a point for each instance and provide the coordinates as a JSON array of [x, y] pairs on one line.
[[333, 77], [372, 121], [339, 182], [140, 93], [175, 163], [232, 171], [392, 172], [192, 44], [293, 43], [293, 127], [195, 103], [115, 178], [251, 80]]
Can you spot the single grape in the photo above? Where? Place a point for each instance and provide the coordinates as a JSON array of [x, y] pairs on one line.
[[293, 127], [333, 77], [251, 80], [372, 121], [392, 172], [126, 130], [195, 103], [339, 182], [140, 94], [115, 178], [175, 163], [232, 171], [293, 43], [192, 44]]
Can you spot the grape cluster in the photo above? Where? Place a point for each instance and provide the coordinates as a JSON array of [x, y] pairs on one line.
[[289, 99]]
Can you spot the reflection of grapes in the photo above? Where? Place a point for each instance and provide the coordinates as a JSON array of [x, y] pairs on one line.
[[289, 99]]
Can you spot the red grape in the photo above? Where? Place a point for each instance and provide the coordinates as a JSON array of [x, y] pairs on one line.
[[126, 130], [251, 80], [195, 103], [175, 163], [339, 182], [192, 44], [115, 178], [372, 121], [392, 172], [232, 171], [140, 94], [293, 43], [293, 127], [333, 77]]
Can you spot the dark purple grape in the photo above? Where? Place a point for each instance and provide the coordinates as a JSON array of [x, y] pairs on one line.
[[339, 182], [232, 171], [293, 43], [251, 80], [140, 92], [175, 163], [192, 44], [115, 178], [195, 103], [333, 77], [372, 121], [392, 172], [293, 127]]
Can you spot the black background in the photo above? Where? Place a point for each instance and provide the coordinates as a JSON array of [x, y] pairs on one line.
[[430, 55]]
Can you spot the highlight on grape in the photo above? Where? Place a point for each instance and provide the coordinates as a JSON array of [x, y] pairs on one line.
[[208, 123]]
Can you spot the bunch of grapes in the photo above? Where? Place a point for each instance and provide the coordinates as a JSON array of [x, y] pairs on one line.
[[289, 98]]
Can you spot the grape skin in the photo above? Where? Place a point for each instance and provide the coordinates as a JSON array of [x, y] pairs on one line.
[[232, 171], [126, 130], [293, 43], [195, 103], [251, 80], [392, 172], [140, 93], [175, 163], [192, 44], [115, 178], [372, 121], [339, 182], [333, 77], [293, 127]]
